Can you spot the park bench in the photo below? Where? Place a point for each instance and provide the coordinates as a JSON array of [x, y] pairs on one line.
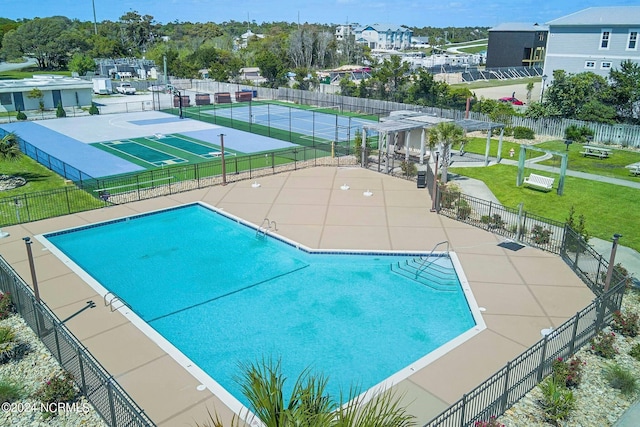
[[539, 181]]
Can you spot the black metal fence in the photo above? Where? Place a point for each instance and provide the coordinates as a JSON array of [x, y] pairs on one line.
[[511, 383], [109, 399], [513, 223], [96, 193]]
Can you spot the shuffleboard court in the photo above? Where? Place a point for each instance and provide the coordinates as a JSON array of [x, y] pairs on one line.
[[146, 154], [90, 160], [203, 150]]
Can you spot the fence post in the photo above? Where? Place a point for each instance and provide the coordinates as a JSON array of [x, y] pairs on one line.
[[81, 367], [505, 393], [572, 345], [112, 408], [66, 193], [463, 410], [543, 357]]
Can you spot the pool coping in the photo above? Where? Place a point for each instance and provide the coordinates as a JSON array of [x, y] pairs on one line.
[[111, 299]]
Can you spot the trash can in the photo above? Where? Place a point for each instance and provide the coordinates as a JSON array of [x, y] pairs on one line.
[[422, 179]]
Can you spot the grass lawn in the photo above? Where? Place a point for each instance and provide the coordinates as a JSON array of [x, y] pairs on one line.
[[27, 73], [495, 83], [607, 208], [479, 145], [613, 166], [45, 194], [38, 177]]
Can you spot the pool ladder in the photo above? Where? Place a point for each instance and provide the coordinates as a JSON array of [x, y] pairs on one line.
[[114, 299], [265, 227], [423, 266]]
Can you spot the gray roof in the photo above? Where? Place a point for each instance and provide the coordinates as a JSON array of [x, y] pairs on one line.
[[609, 15], [519, 26], [44, 82]]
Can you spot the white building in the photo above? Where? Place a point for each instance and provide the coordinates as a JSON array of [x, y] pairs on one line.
[[596, 39], [14, 94], [384, 36]]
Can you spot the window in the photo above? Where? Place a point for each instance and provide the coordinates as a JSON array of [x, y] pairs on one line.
[[5, 99], [590, 64], [605, 66], [604, 39], [632, 42]]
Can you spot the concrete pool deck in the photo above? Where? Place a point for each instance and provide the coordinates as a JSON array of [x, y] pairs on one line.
[[522, 291]]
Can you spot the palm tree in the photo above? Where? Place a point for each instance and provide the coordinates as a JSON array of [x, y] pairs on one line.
[[9, 148], [309, 404], [445, 134]]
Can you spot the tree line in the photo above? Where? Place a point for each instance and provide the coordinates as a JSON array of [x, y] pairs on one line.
[[281, 50]]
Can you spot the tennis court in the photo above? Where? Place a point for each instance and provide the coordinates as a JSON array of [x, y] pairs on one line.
[[324, 123]]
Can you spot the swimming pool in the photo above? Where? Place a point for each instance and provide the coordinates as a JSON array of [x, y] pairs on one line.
[[217, 294]]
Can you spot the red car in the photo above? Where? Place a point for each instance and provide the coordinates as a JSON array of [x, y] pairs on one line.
[[511, 100]]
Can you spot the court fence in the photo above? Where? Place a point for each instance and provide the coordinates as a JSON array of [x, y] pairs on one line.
[[109, 399], [53, 163]]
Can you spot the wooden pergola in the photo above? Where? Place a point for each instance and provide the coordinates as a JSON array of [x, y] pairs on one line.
[[389, 129]]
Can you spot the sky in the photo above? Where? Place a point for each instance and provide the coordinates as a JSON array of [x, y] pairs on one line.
[[412, 13]]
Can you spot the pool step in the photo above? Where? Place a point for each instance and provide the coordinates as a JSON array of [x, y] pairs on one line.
[[438, 279]]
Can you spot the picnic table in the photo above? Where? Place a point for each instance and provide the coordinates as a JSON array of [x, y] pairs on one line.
[[634, 168], [595, 151]]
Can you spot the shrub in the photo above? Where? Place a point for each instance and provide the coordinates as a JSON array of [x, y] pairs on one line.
[[579, 134], [557, 400], [568, 373], [10, 390], [450, 193], [523, 132], [21, 116], [464, 210], [6, 307], [409, 168], [626, 324], [621, 379], [493, 422], [603, 345], [8, 344], [635, 352], [60, 110], [93, 110], [620, 272], [59, 388], [540, 235]]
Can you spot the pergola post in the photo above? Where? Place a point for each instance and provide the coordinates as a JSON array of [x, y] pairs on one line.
[[363, 154], [422, 145], [563, 171], [407, 143]]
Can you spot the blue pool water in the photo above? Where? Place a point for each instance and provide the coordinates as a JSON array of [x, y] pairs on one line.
[[223, 296]]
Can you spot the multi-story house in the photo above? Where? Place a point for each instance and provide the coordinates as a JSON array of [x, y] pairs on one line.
[[596, 39], [384, 36], [516, 45]]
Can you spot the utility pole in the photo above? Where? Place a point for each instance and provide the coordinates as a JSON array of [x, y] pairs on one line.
[[95, 23]]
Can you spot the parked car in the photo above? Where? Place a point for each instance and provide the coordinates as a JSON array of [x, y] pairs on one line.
[[511, 100], [126, 89]]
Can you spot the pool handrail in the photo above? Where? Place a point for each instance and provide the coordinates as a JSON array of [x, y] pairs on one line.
[[422, 266]]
